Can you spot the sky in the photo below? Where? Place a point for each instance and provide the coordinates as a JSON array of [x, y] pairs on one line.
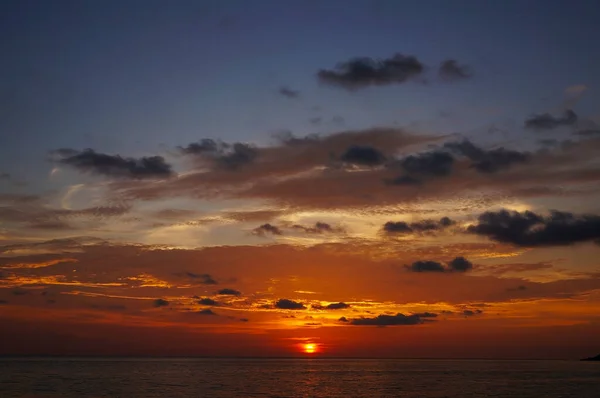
[[294, 178]]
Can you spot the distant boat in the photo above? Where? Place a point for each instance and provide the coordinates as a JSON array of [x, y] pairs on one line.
[[596, 358]]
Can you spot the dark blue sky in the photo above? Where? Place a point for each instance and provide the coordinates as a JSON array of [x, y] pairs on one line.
[[127, 77]]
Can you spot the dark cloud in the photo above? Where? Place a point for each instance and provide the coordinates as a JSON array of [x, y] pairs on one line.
[[239, 155], [426, 315], [450, 70], [472, 312], [435, 163], [459, 264], [160, 303], [229, 292], [206, 311], [244, 320], [388, 320], [315, 120], [207, 301], [337, 306], [398, 227], [363, 72], [5, 176], [286, 304], [90, 161], [343, 319], [20, 292], [426, 266], [318, 228], [423, 226], [546, 121], [267, 229], [288, 92], [488, 161], [3, 302], [223, 155], [205, 279], [204, 146], [529, 229], [363, 156]]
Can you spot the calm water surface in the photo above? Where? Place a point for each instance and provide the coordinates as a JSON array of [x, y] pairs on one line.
[[297, 378]]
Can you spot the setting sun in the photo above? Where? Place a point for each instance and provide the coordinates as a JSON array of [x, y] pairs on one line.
[[310, 348]]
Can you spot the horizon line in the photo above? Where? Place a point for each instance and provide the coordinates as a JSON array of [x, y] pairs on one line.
[[302, 357]]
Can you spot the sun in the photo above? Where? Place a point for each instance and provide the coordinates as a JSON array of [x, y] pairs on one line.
[[310, 348]]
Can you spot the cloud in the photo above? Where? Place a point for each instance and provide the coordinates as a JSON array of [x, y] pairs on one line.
[[205, 279], [529, 229], [468, 313], [363, 156], [90, 161], [286, 166], [207, 301], [318, 228], [160, 303], [288, 92], [388, 320], [206, 311], [401, 227], [546, 121], [426, 266], [434, 163], [223, 155], [240, 155], [229, 292], [426, 315], [5, 176], [488, 161], [286, 304], [458, 264], [204, 146], [362, 72], [450, 70], [337, 306], [267, 229]]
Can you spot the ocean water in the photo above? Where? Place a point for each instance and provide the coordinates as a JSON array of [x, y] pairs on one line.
[[297, 378]]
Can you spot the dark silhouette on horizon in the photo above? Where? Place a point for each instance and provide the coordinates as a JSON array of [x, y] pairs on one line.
[[596, 358]]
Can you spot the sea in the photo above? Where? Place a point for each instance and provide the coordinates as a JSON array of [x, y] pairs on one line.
[[311, 377]]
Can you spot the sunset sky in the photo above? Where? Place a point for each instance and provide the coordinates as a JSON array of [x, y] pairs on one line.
[[247, 178]]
